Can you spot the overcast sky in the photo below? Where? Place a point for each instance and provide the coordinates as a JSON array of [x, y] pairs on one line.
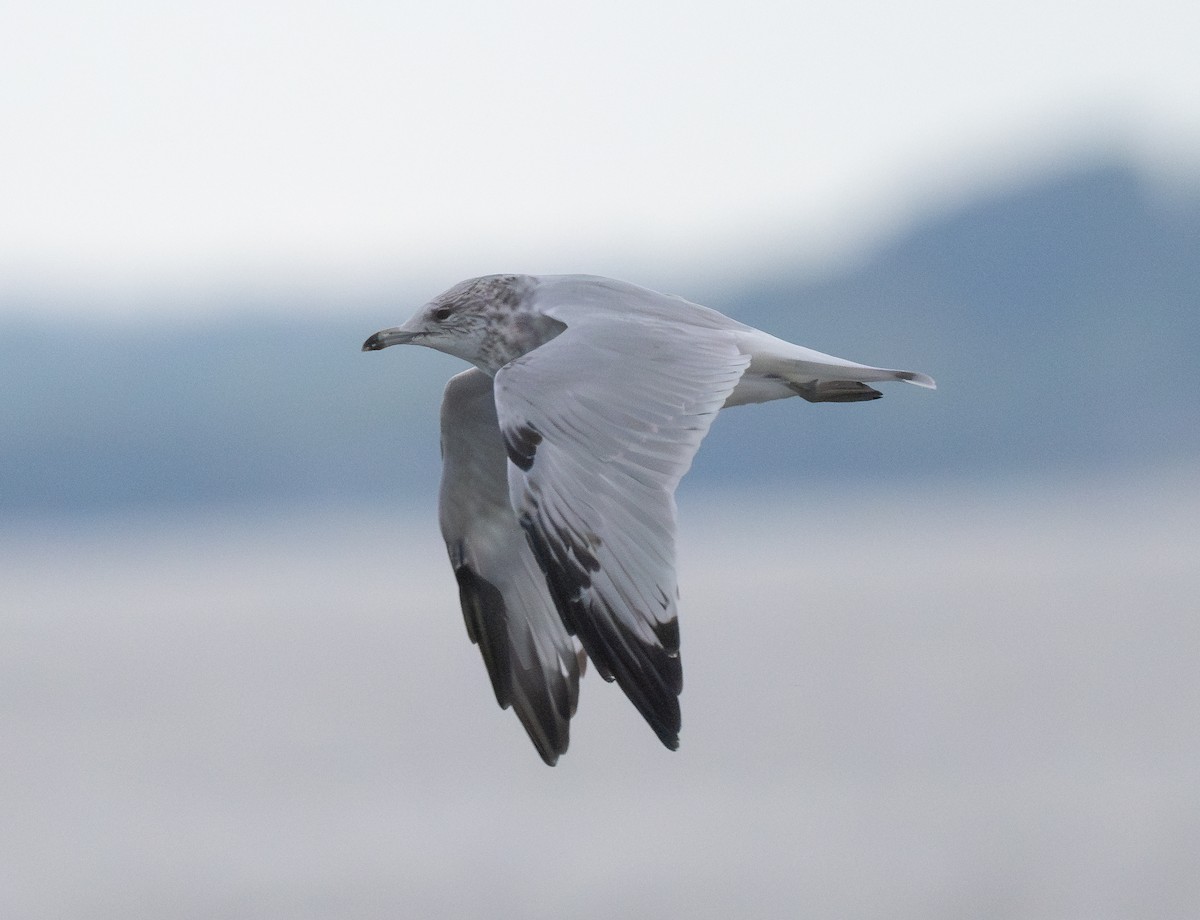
[[149, 143]]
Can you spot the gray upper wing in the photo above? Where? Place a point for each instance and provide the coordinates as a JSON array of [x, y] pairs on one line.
[[530, 658], [600, 424]]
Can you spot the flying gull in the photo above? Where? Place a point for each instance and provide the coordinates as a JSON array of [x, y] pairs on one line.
[[561, 451]]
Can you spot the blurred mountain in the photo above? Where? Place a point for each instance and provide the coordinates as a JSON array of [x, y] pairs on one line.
[[1061, 320]]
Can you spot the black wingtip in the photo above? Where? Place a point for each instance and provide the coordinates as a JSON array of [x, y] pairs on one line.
[[374, 343], [665, 721], [670, 741]]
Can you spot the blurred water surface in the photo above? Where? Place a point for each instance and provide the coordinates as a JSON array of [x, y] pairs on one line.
[[973, 702]]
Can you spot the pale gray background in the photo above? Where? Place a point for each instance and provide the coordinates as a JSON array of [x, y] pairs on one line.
[[940, 649]]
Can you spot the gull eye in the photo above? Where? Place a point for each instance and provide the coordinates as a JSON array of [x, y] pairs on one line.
[[442, 313]]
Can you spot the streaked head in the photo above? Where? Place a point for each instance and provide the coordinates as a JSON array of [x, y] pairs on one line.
[[481, 320], [456, 321]]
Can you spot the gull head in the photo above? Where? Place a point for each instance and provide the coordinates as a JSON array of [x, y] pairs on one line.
[[487, 321]]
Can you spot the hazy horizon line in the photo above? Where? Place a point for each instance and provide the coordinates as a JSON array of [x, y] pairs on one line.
[[270, 285]]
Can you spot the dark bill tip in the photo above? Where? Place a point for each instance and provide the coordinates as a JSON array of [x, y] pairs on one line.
[[384, 338]]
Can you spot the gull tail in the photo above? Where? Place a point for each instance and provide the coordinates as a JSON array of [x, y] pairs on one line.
[[779, 369], [855, 390]]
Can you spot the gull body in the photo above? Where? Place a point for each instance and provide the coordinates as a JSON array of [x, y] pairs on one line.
[[561, 452]]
